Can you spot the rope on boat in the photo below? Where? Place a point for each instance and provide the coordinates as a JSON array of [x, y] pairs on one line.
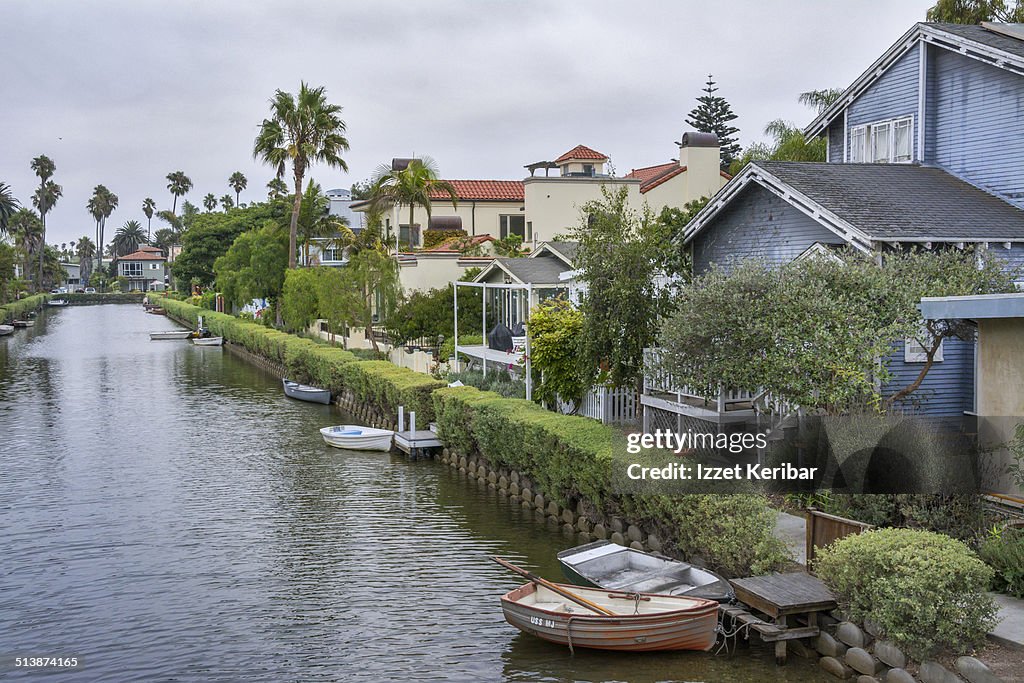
[[568, 631], [727, 635]]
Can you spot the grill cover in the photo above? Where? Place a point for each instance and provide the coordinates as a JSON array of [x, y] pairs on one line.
[[500, 338]]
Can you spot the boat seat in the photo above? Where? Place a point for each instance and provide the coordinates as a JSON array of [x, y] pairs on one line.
[[550, 606]]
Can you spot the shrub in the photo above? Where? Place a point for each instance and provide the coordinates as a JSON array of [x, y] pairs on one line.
[[16, 309], [498, 381], [433, 238], [1005, 554], [958, 515], [925, 591], [447, 348]]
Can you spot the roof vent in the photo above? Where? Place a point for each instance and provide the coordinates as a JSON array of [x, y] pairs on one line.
[[694, 139], [1009, 30]]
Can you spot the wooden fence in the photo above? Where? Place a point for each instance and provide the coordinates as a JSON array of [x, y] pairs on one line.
[[823, 528]]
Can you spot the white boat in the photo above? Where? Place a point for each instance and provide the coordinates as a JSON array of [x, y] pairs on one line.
[[172, 334], [6, 330], [24, 323], [356, 438], [57, 302], [209, 341], [304, 392]]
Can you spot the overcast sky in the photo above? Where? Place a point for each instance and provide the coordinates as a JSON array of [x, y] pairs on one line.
[[122, 93]]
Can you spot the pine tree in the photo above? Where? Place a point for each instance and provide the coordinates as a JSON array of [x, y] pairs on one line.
[[713, 115]]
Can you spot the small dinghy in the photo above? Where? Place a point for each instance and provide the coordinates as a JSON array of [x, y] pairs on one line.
[[23, 323], [6, 330], [209, 341], [57, 302], [605, 565], [356, 438], [304, 392], [172, 334], [603, 620], [156, 310]]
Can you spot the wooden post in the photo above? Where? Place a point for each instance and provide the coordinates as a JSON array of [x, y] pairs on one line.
[[401, 418], [780, 645], [455, 354]]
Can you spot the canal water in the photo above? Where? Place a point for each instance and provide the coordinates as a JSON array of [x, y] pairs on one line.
[[166, 514]]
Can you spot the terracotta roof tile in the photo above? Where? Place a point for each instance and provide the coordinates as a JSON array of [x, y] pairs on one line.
[[142, 256], [484, 190], [649, 172], [582, 152]]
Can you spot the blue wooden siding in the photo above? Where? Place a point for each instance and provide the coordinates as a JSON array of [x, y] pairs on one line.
[[1014, 256], [835, 142], [893, 95], [757, 224], [976, 115], [947, 389]]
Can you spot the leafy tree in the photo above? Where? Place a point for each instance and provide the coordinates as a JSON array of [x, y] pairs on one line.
[[179, 184], [45, 197], [210, 237], [362, 189], [976, 11], [315, 221], [209, 202], [555, 329], [510, 247], [411, 186], [227, 202], [302, 130], [712, 115], [372, 276], [674, 260], [165, 238], [27, 232], [8, 259], [148, 208], [238, 182], [128, 238], [787, 144], [172, 220], [8, 205], [85, 249], [300, 298], [619, 258], [254, 266], [431, 314]]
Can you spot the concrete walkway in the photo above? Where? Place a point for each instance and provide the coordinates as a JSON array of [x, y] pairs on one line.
[[791, 530]]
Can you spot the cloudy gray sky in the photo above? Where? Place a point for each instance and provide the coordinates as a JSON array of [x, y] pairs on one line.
[[121, 93]]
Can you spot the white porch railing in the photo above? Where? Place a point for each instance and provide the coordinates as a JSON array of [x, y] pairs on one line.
[[610, 406]]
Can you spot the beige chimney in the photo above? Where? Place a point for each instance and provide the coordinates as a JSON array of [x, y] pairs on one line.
[[699, 154]]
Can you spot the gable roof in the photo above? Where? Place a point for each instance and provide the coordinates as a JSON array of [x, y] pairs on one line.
[[582, 152], [563, 249], [142, 255], [537, 271], [865, 203], [651, 177], [976, 42]]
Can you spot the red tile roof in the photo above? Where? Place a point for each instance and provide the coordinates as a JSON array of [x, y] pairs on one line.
[[149, 247], [652, 176], [141, 256], [484, 190], [582, 152], [465, 242]]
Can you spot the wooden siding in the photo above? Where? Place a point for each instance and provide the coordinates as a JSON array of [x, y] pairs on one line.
[[948, 388], [976, 123], [892, 95], [835, 142], [757, 224]]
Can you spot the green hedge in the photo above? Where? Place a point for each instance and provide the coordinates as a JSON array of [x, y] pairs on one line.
[[16, 309], [570, 458], [104, 297], [925, 591], [379, 383]]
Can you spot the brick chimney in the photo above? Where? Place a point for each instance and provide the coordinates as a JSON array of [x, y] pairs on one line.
[[699, 153]]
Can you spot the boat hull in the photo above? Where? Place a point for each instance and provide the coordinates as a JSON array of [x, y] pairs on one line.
[[356, 438], [6, 330], [543, 613], [303, 392], [23, 323], [57, 302], [175, 334], [209, 341], [612, 567]]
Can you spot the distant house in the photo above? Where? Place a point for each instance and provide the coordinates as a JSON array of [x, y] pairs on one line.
[[145, 269], [548, 271], [925, 149], [438, 266], [72, 274]]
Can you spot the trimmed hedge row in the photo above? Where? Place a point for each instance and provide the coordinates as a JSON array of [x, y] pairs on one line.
[[379, 383], [570, 458], [104, 297], [16, 309]]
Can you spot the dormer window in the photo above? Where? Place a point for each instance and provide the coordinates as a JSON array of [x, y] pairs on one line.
[[882, 142]]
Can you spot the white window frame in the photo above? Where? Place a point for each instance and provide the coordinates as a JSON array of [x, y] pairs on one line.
[[908, 123], [862, 141], [131, 269], [913, 352], [876, 132], [858, 144]]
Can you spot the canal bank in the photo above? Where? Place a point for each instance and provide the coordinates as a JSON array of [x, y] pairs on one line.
[[169, 514]]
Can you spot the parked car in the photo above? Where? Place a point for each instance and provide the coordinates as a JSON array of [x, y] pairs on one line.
[[90, 290], [54, 291], [79, 291]]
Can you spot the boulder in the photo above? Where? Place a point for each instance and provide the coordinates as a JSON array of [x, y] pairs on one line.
[[851, 634], [835, 667], [618, 538], [933, 672], [899, 676], [828, 646], [633, 533], [600, 532], [890, 655], [654, 543], [862, 661], [975, 670]]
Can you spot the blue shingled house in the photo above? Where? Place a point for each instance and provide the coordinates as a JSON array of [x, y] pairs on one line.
[[926, 147]]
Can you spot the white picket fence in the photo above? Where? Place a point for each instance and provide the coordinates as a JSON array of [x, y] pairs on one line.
[[610, 406]]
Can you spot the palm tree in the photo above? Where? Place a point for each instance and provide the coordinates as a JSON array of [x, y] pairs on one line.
[[46, 196], [148, 208], [820, 100], [85, 248], [164, 238], [27, 230], [210, 202], [101, 205], [227, 202], [128, 238], [8, 205], [171, 220], [179, 184], [276, 188], [316, 222], [302, 130], [414, 185], [237, 181]]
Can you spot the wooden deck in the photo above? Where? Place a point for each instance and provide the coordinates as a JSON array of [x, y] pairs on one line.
[[415, 444], [781, 596]]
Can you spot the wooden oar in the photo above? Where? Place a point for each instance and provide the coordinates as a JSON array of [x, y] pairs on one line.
[[554, 587]]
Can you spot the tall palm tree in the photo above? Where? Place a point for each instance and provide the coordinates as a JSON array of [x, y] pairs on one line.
[[164, 238], [85, 248], [301, 131], [8, 205], [148, 208], [128, 238], [210, 202], [412, 186], [820, 100], [27, 230], [276, 188], [179, 184], [46, 196], [316, 222], [227, 202], [101, 205], [237, 181]]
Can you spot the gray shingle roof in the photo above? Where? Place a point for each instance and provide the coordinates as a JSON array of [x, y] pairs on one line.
[[892, 202], [980, 34], [566, 249], [542, 270]]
